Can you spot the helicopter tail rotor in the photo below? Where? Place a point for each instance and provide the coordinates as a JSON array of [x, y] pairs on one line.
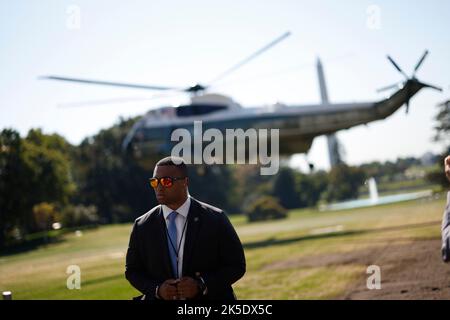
[[401, 84]]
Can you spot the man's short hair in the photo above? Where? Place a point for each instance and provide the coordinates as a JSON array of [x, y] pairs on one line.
[[174, 161]]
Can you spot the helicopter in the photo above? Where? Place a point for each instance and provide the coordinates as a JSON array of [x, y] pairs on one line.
[[150, 137]]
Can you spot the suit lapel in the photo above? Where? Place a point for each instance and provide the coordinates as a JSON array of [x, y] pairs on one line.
[[192, 229]]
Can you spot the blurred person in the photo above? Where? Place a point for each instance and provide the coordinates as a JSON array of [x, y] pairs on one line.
[[182, 248], [446, 218]]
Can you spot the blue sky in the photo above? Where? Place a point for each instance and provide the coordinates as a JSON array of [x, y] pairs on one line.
[[183, 42]]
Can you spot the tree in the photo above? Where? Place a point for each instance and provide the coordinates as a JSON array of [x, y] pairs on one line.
[[249, 184], [48, 159], [13, 172], [344, 182], [109, 178], [442, 126], [214, 184], [32, 170], [117, 185], [284, 188], [310, 187], [76, 216], [44, 215]]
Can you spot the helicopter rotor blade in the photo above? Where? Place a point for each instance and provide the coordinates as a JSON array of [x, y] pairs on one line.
[[192, 89], [114, 101], [420, 62], [252, 56], [397, 67], [109, 83], [432, 86], [392, 86]]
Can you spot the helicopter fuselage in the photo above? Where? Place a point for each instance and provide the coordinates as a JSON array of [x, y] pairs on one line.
[[298, 125]]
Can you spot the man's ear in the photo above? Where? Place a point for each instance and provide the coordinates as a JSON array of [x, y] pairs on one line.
[[186, 183]]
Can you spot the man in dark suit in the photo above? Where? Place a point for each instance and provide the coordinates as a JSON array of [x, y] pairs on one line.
[[446, 218], [182, 248]]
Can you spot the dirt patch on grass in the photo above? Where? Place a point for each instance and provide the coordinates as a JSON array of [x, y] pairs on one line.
[[409, 270]]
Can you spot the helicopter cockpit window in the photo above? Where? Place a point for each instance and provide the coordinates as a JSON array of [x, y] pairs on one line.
[[198, 109]]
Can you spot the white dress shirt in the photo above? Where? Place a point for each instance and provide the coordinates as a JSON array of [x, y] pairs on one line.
[[180, 220]]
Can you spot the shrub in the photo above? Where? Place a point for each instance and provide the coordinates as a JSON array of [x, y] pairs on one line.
[[80, 215], [265, 208], [44, 215]]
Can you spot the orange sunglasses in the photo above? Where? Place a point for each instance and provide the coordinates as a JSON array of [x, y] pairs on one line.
[[166, 182]]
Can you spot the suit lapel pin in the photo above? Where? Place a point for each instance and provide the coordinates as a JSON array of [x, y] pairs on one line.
[[196, 219]]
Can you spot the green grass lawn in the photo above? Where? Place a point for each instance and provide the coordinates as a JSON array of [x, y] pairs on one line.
[[273, 251]]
